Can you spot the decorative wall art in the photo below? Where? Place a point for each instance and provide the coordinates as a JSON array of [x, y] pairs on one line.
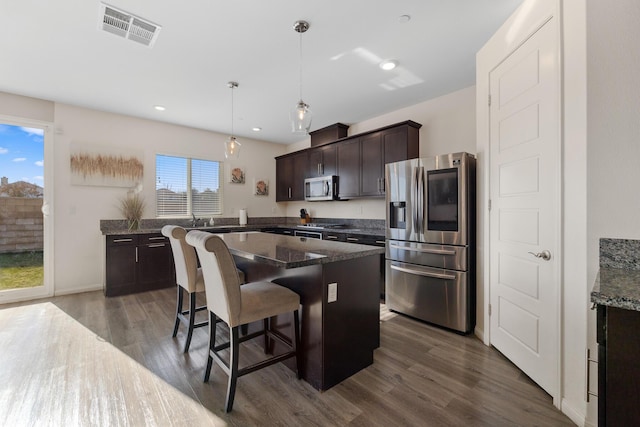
[[236, 175], [105, 166], [261, 187]]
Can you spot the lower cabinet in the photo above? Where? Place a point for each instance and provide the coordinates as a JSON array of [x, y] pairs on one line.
[[618, 334], [362, 239], [137, 263], [278, 230]]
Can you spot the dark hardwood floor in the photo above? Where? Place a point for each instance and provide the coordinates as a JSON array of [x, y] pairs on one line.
[[89, 360]]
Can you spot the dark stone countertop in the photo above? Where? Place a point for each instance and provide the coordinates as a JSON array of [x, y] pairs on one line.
[[250, 227], [617, 287], [618, 281], [214, 229], [293, 251]]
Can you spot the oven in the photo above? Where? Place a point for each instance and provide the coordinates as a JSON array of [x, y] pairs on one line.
[[309, 234]]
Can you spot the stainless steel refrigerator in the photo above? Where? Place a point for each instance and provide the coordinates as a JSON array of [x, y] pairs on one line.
[[430, 239]]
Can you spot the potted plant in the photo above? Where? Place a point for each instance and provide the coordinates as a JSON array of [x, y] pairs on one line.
[[132, 208]]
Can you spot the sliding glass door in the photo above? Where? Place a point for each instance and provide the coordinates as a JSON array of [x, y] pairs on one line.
[[25, 206]]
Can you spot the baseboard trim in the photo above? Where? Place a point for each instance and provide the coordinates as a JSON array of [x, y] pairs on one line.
[[60, 292], [573, 414]]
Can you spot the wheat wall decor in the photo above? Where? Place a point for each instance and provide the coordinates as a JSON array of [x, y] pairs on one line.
[[105, 166]]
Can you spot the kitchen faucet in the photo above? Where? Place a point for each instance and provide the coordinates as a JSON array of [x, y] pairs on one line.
[[194, 223]]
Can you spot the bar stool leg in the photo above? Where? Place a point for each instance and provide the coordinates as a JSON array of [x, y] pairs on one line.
[[178, 310], [213, 323], [233, 368], [296, 343], [192, 319]]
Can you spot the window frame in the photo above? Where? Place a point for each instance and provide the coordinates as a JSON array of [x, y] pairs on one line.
[[189, 186]]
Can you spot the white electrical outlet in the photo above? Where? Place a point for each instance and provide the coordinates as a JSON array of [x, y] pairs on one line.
[[332, 292]]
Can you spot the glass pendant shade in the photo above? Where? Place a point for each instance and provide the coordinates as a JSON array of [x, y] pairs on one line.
[[232, 148], [301, 118]]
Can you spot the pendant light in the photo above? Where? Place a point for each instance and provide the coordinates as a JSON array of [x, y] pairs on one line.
[[301, 115], [232, 146]]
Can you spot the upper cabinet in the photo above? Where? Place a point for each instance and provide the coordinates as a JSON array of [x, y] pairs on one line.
[[349, 169], [323, 161], [379, 148], [358, 161], [364, 176], [291, 170]]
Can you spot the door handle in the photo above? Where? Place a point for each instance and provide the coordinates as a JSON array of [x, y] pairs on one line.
[[428, 251], [545, 255], [425, 273]]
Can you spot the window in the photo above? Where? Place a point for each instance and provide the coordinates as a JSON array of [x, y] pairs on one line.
[[186, 187]]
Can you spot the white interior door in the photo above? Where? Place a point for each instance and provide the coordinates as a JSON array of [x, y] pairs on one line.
[[525, 150]]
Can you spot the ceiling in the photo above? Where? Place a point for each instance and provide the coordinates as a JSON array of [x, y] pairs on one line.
[[55, 50]]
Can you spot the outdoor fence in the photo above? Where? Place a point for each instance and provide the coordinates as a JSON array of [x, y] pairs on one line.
[[21, 224]]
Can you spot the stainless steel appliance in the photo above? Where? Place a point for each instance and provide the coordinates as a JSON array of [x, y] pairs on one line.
[[430, 252], [321, 188], [306, 233]]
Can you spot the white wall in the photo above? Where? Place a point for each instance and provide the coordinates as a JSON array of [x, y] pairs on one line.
[[576, 285], [448, 125], [79, 243], [25, 107], [613, 111]]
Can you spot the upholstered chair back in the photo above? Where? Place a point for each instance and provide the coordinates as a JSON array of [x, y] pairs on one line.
[[222, 282], [184, 256]]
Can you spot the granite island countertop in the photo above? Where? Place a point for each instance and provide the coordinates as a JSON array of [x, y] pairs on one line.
[[293, 251], [617, 287], [618, 281]]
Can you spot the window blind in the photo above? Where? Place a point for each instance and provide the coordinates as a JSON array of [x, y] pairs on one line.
[[187, 186]]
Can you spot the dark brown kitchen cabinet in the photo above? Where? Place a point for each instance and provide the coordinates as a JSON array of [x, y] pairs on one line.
[[333, 236], [291, 170], [137, 263], [358, 161], [349, 169], [371, 165], [323, 161], [387, 146], [618, 366], [121, 264], [375, 149]]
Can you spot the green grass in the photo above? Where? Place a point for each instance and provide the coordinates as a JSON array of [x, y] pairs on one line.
[[21, 270]]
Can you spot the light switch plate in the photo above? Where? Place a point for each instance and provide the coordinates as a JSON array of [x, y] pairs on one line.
[[332, 292]]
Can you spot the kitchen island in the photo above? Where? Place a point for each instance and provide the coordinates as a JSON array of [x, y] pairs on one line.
[[338, 284], [617, 295]]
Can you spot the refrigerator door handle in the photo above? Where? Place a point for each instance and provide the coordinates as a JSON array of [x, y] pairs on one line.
[[414, 201], [424, 250], [424, 273], [420, 201]]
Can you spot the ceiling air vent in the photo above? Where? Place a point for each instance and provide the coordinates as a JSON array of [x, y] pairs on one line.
[[124, 24]]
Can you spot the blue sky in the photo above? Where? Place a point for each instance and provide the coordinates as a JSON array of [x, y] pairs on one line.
[[22, 154]]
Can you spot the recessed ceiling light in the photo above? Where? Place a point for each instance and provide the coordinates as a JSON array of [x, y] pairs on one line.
[[404, 18], [256, 129], [388, 65], [159, 107]]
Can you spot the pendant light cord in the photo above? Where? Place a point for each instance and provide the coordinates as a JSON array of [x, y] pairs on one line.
[[300, 86], [232, 87]]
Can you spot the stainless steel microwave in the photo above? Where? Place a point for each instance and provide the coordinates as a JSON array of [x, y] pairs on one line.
[[321, 188]]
